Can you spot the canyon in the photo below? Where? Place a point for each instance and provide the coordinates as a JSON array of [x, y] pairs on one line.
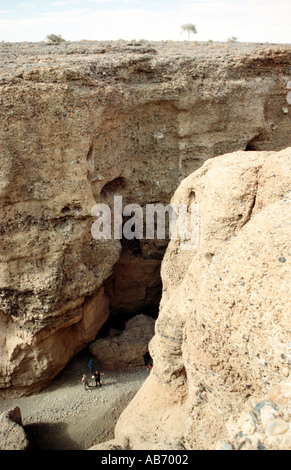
[[84, 122]]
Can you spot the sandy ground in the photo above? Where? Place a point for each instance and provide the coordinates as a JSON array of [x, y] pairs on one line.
[[66, 417]]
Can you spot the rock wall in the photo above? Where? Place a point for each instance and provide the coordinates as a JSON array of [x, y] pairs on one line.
[[222, 349], [82, 122]]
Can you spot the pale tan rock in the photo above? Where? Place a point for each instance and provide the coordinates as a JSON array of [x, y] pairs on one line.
[[262, 425], [12, 434], [281, 393], [223, 330], [155, 416], [277, 427], [42, 356]]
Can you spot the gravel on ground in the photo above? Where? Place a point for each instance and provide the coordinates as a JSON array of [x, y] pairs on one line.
[[65, 416]]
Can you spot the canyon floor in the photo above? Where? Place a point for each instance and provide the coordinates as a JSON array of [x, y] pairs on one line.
[[66, 417]]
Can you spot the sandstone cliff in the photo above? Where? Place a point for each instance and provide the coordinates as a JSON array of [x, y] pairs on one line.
[[81, 122], [222, 349]]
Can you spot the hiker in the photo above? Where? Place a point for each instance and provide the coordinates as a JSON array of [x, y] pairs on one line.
[[96, 376], [150, 367], [84, 381], [91, 365]]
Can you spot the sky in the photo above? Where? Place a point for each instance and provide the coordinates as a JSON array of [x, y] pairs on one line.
[[218, 20]]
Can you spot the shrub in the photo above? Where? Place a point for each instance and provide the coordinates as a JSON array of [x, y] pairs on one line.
[[55, 38]]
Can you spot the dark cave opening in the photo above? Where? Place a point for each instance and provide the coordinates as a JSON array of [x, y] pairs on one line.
[[251, 147], [113, 187], [148, 359], [254, 144], [135, 285]]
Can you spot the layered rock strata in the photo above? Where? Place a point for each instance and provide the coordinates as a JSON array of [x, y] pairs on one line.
[[82, 122]]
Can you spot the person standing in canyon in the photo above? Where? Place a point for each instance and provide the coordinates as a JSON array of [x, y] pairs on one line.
[[85, 382], [91, 366], [97, 377]]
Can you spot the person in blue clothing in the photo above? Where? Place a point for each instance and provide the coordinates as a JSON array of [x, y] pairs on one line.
[[91, 366]]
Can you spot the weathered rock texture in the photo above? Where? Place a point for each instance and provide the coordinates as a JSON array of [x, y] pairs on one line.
[[223, 334], [125, 349], [263, 425], [82, 122], [12, 434]]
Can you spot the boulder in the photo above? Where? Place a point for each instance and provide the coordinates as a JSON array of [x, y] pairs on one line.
[[126, 350], [12, 434]]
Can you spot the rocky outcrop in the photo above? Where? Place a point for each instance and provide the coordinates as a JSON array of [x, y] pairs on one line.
[[31, 358], [221, 348], [12, 434], [82, 122], [125, 350]]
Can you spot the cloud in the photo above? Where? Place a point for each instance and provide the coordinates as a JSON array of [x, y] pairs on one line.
[[27, 5], [66, 2], [52, 17], [60, 4], [116, 3]]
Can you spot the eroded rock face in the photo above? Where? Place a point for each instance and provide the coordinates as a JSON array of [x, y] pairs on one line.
[[82, 122], [222, 337], [29, 359]]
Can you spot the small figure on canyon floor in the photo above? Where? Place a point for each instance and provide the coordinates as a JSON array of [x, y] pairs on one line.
[[91, 365], [97, 378], [150, 367], [85, 383]]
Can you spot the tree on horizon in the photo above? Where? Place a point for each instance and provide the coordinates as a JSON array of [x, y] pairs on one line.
[[189, 28]]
